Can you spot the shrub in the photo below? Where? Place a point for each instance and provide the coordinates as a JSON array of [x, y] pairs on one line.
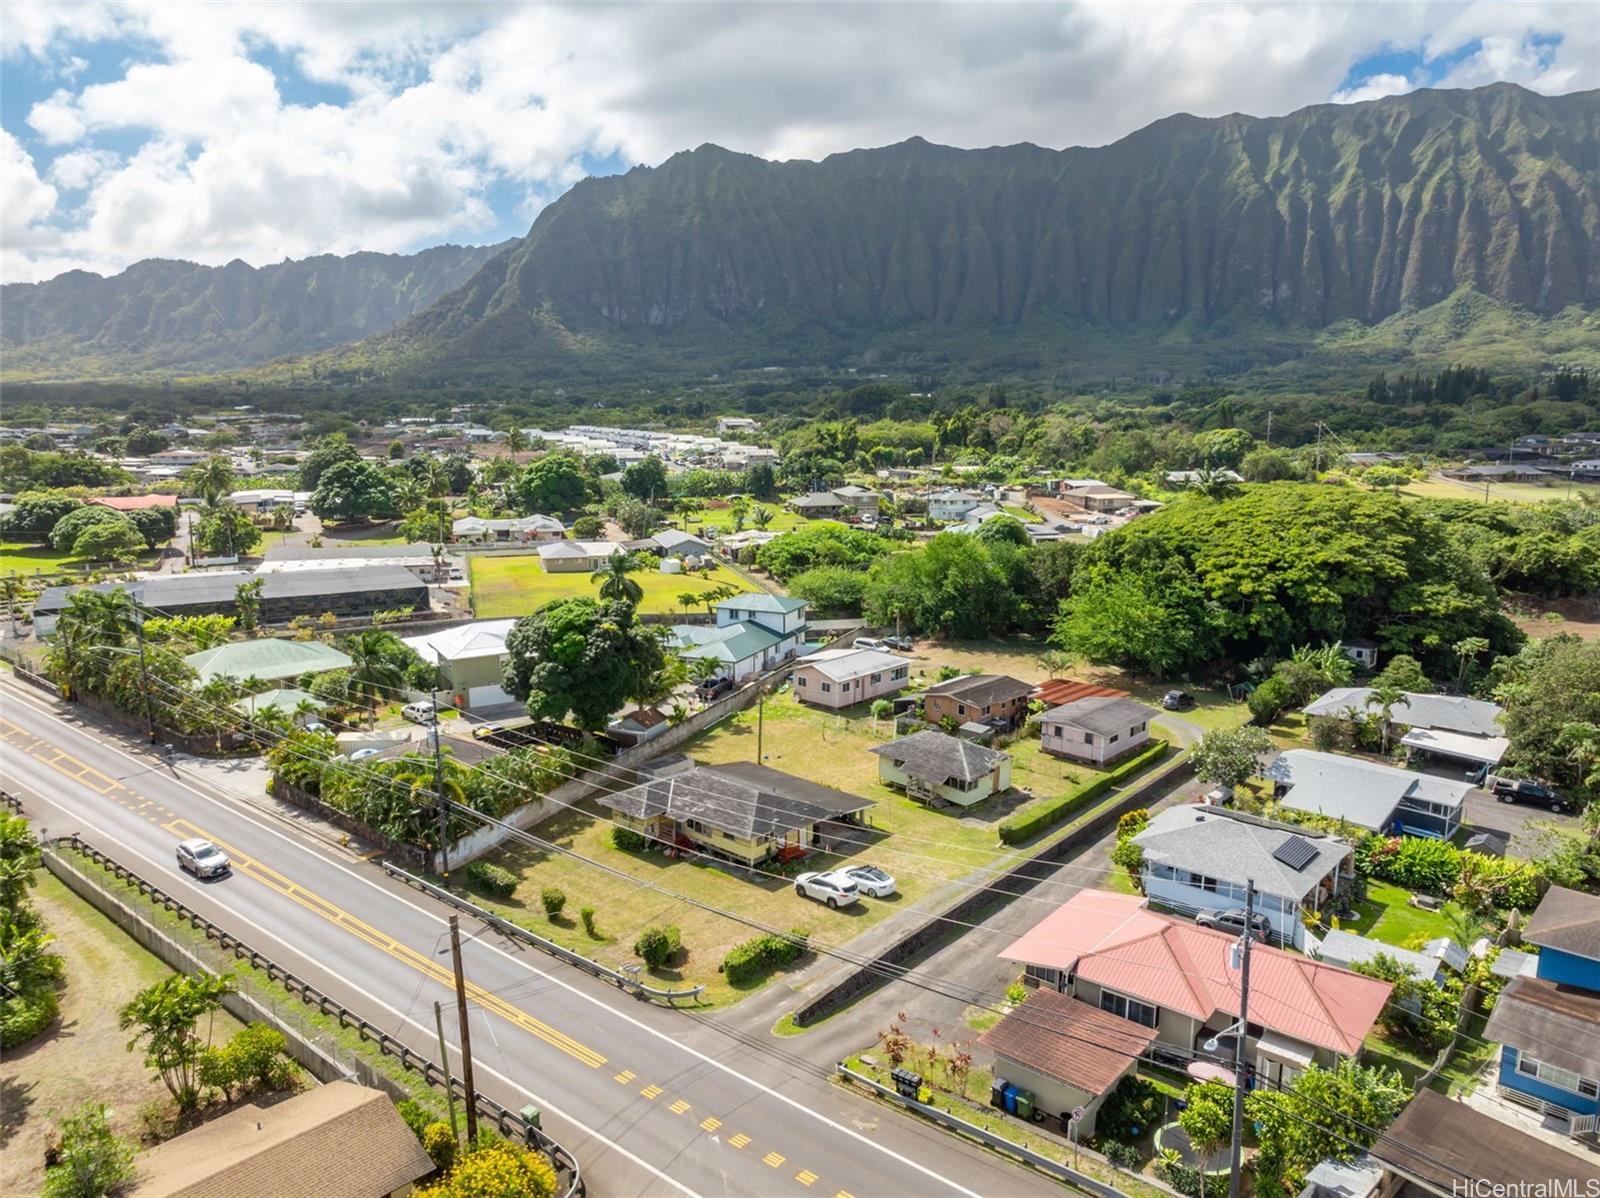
[[24, 1018], [1329, 735], [751, 960], [1028, 825], [587, 915], [91, 1160], [416, 1116], [1436, 867], [552, 900], [1123, 1156], [493, 880], [1016, 994], [497, 1167], [1130, 1110], [658, 945], [439, 1142], [257, 1051], [627, 840]]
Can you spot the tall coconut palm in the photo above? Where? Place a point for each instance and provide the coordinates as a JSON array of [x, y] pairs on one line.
[[211, 479], [1386, 697], [373, 671], [436, 479], [517, 441], [92, 628], [614, 578], [761, 517]]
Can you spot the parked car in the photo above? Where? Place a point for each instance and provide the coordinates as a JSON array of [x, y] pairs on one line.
[[421, 712], [363, 754], [202, 858], [712, 687], [1233, 921], [1177, 700], [835, 889], [903, 643], [487, 729], [871, 880], [869, 642], [1525, 790]]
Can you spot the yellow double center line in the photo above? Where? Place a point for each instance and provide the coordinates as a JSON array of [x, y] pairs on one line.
[[403, 953]]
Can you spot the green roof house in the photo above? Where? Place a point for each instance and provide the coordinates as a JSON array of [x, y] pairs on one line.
[[268, 659]]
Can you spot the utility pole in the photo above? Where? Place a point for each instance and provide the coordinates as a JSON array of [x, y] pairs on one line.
[[1240, 1045], [444, 1057], [144, 676], [470, 1096], [438, 778], [761, 711]]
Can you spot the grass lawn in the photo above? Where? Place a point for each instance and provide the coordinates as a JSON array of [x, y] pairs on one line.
[[1021, 513], [516, 585], [1460, 1075], [1446, 488], [25, 557], [924, 849], [783, 520], [1386, 916], [84, 1056]]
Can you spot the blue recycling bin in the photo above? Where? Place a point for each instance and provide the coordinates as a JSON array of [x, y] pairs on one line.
[[1011, 1100]]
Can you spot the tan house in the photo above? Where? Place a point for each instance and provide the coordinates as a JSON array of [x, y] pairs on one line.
[[977, 698], [334, 1141], [571, 557], [741, 810], [940, 769], [1097, 497], [844, 677], [1095, 729]]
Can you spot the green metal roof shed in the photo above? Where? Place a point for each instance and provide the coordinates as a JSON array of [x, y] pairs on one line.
[[267, 659]]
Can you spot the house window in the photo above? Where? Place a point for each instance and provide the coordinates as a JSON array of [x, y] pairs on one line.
[[1088, 738], [1561, 1079], [1044, 976], [1135, 730], [826, 688], [960, 709], [1114, 740], [877, 677], [1127, 1008], [800, 680], [899, 673]]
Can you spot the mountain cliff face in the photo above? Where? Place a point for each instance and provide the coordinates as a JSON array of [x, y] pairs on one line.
[[1331, 213], [165, 315]]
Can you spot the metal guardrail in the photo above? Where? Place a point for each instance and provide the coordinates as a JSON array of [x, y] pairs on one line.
[[619, 978], [10, 800], [506, 1121], [999, 1143]]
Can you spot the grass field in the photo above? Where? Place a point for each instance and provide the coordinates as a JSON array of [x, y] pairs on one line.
[[783, 520], [25, 558], [1446, 488], [1386, 916], [517, 585]]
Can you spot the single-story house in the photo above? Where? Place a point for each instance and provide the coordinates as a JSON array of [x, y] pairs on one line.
[[741, 810], [1098, 497], [178, 457], [1450, 726], [134, 503], [286, 699], [942, 769], [1363, 652], [1198, 858], [342, 1140], [515, 530], [840, 501], [1368, 794], [1496, 474], [977, 698], [1438, 1146], [673, 542], [470, 658], [843, 677], [639, 725], [1066, 1053], [572, 557], [1343, 948], [262, 500], [267, 658], [1096, 729], [1113, 952], [1187, 478]]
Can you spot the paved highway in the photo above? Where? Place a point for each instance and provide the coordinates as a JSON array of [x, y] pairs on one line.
[[652, 1101]]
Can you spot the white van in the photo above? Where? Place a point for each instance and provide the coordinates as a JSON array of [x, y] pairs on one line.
[[421, 712]]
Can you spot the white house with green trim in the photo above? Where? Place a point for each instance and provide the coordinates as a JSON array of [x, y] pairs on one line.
[[753, 632]]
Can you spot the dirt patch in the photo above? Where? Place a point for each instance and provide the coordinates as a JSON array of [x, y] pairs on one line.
[[1540, 618], [84, 1057]]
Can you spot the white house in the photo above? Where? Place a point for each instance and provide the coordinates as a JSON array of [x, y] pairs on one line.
[[519, 529], [946, 507], [753, 633], [1095, 729], [735, 424], [570, 557], [1448, 726]]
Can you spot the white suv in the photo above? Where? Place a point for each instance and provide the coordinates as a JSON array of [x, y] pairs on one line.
[[835, 889], [421, 712]]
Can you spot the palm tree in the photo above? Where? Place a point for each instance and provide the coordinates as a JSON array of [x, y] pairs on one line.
[[687, 599], [436, 479], [91, 628], [614, 580], [1468, 650], [703, 669], [407, 492], [373, 671], [761, 517], [282, 518], [1385, 697], [739, 509], [1212, 483], [247, 601], [516, 441], [211, 479]]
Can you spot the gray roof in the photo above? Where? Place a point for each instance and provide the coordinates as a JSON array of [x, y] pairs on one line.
[[1346, 948], [1234, 847], [1105, 714], [934, 757], [762, 601], [342, 551], [819, 499], [179, 590], [1363, 792], [740, 798], [1567, 921], [1557, 1024], [982, 689], [1448, 713]]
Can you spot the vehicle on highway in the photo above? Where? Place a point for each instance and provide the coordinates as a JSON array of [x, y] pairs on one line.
[[868, 642], [202, 858], [1177, 700], [835, 889], [487, 729], [1233, 921], [871, 880], [903, 643], [712, 687], [1525, 790], [422, 711]]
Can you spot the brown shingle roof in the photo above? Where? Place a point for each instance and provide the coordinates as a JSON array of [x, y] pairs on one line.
[[335, 1141], [982, 689], [1069, 1040], [1445, 1144], [1558, 1024], [1567, 920]]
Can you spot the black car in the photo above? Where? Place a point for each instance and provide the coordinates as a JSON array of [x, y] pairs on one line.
[[1177, 700], [1524, 790]]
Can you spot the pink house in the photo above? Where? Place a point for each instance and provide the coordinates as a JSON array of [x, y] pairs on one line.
[[844, 677]]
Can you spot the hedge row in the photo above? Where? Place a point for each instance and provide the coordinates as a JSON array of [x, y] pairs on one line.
[[493, 880], [1025, 827], [749, 961]]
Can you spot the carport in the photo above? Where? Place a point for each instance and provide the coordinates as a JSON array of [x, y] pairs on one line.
[[1481, 753]]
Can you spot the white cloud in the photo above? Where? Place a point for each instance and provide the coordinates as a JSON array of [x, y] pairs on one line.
[[25, 201], [445, 100]]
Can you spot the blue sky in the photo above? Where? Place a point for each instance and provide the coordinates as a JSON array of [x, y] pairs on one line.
[[263, 131]]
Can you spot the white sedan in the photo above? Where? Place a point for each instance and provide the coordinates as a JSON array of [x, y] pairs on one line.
[[871, 880], [835, 889]]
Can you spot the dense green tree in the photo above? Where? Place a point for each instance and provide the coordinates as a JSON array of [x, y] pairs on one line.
[[831, 590], [1223, 448], [1550, 688], [1265, 464], [112, 540], [820, 543], [1160, 623], [1324, 1114], [64, 536], [212, 480], [646, 480], [225, 531], [327, 452], [760, 481], [142, 442], [637, 518], [1207, 1119], [1230, 756], [580, 657], [155, 524], [352, 491], [172, 1020], [956, 585], [1003, 528], [36, 513], [24, 469], [554, 483], [1403, 672]]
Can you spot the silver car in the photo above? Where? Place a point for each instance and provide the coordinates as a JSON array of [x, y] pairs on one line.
[[871, 880], [202, 858]]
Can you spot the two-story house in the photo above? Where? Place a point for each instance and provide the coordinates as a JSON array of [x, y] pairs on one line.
[[947, 506], [1549, 1025], [1112, 952], [843, 677], [1198, 858], [753, 633], [977, 698]]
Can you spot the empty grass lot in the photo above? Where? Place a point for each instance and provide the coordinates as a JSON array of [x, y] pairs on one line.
[[516, 585], [24, 558], [1449, 488]]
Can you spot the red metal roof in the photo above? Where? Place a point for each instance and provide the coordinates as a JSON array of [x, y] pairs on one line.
[[1057, 691], [1115, 941]]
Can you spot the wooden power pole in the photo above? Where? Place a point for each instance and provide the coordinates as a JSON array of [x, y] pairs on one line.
[[470, 1096]]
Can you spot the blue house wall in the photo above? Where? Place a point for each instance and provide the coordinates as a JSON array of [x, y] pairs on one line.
[[1569, 969], [1565, 1099]]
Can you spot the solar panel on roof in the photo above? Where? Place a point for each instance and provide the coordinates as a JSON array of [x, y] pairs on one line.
[[1297, 852]]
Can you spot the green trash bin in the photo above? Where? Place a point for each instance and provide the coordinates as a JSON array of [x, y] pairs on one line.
[[1024, 1104]]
